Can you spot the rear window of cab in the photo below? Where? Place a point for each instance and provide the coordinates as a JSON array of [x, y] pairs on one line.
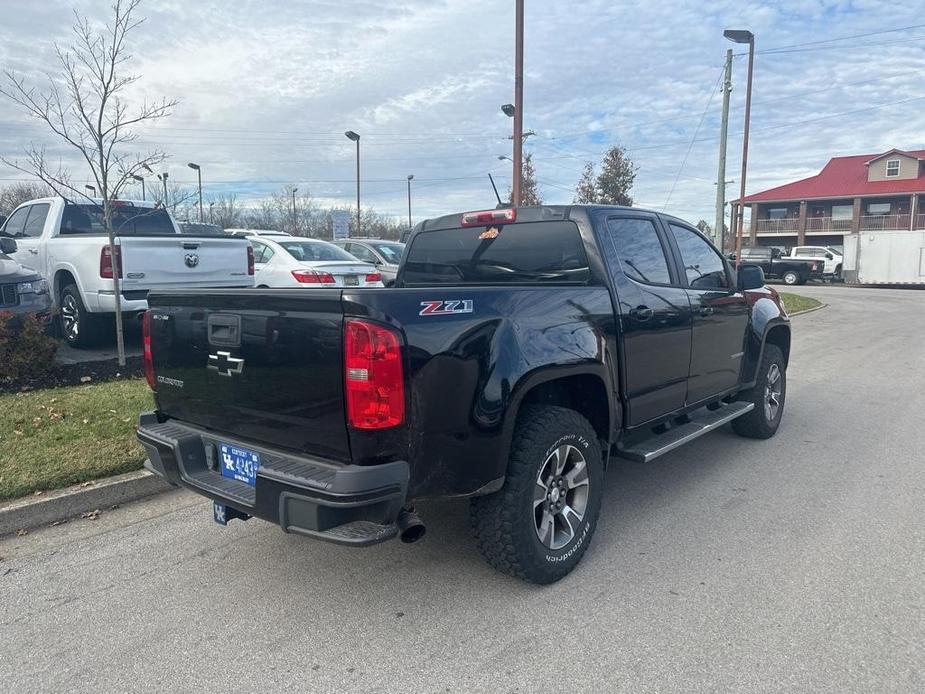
[[548, 252]]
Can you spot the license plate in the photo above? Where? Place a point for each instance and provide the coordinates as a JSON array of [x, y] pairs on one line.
[[239, 463], [351, 280]]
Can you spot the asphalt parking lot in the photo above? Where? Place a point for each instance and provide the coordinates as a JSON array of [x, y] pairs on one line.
[[731, 565]]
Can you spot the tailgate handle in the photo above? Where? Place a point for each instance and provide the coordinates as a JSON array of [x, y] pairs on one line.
[[224, 330], [190, 245]]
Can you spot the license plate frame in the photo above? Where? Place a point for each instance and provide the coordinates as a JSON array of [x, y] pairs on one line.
[[239, 463]]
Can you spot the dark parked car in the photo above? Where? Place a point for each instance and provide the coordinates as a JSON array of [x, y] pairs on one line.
[[777, 266], [385, 255], [22, 290], [519, 349]]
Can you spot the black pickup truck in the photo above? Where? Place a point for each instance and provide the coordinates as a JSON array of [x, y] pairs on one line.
[[777, 266], [519, 349]]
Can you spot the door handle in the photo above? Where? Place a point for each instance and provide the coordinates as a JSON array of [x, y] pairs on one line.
[[706, 311], [642, 313], [34, 251]]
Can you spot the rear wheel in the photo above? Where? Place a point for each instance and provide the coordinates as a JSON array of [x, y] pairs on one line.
[[79, 327], [790, 277], [768, 395], [538, 526]]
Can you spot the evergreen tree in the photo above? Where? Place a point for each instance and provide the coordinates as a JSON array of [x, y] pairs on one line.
[[586, 190], [616, 180]]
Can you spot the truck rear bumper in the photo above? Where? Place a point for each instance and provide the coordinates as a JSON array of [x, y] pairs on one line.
[[347, 504]]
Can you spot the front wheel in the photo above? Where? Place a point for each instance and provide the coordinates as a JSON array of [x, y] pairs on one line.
[[768, 394], [790, 277], [539, 525]]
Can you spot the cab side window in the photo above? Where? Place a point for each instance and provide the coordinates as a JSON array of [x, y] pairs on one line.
[[262, 252], [16, 222], [35, 223], [702, 264], [639, 249], [361, 252]]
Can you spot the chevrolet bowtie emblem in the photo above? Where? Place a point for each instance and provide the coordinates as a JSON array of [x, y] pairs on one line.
[[225, 364]]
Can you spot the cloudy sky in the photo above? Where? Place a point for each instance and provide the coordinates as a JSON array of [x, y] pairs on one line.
[[267, 89]]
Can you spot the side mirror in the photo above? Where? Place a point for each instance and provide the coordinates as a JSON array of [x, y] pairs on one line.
[[8, 245], [750, 277], [829, 256]]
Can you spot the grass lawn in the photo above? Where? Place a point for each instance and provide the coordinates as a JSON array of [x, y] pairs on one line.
[[795, 303], [61, 436]]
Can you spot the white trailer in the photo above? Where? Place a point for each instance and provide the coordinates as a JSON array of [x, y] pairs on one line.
[[885, 257]]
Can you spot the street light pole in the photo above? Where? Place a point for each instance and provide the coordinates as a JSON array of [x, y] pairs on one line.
[[163, 179], [211, 205], [410, 176], [743, 36], [518, 102], [198, 170], [721, 174], [141, 180], [294, 191], [356, 138]]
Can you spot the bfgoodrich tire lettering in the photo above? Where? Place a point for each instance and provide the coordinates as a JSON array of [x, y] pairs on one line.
[[555, 470]]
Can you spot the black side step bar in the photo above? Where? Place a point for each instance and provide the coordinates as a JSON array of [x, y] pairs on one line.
[[645, 449]]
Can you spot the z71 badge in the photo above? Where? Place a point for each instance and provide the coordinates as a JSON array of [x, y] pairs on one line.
[[446, 308]]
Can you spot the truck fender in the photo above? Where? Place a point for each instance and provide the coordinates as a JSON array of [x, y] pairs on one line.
[[766, 317]]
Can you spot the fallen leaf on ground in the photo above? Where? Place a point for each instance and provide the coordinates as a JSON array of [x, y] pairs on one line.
[[60, 522], [21, 532], [92, 515], [85, 379], [38, 493]]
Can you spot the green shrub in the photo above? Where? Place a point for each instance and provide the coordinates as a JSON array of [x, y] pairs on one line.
[[26, 351]]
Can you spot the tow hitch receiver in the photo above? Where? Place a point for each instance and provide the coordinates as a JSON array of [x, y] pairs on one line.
[[221, 513]]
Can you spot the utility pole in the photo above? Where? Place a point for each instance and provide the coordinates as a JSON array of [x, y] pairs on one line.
[[743, 36], [518, 102], [721, 175], [294, 189]]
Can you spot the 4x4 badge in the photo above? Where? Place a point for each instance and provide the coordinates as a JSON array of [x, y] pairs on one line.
[[225, 364]]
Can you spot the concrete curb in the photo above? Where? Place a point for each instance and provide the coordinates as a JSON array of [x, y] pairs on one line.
[[808, 310], [61, 504]]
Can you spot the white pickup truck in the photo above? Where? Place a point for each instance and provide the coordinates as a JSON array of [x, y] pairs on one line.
[[66, 243], [831, 257]]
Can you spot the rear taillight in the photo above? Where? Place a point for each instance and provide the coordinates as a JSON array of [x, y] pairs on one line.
[[373, 277], [374, 376], [250, 259], [312, 277], [148, 357], [106, 262]]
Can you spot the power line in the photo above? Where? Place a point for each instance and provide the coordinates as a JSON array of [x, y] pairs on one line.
[[842, 38], [693, 138]]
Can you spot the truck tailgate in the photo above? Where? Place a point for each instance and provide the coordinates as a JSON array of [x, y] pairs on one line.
[[152, 262], [227, 362]]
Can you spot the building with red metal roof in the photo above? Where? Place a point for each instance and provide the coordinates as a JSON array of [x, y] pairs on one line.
[[866, 192]]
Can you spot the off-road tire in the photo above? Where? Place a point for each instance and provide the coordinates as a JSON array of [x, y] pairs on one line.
[[89, 327], [505, 522], [757, 424]]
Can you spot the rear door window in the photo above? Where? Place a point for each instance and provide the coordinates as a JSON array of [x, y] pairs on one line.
[[525, 253], [35, 223], [639, 248]]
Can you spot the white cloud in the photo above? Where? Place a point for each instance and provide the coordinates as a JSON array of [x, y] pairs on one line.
[[267, 89]]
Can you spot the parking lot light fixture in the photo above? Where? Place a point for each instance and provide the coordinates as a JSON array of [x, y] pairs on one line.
[[743, 36], [198, 170], [141, 180], [351, 135], [92, 189]]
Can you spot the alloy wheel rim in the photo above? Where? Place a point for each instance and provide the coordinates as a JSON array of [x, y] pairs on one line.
[[560, 497], [69, 316], [772, 393]]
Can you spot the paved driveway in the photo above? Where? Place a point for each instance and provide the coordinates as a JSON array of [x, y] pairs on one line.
[[791, 565]]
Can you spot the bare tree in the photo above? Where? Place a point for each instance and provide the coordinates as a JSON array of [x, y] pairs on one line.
[[586, 190], [85, 106], [15, 194]]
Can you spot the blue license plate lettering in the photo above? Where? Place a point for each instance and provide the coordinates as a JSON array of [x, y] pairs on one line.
[[239, 463]]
